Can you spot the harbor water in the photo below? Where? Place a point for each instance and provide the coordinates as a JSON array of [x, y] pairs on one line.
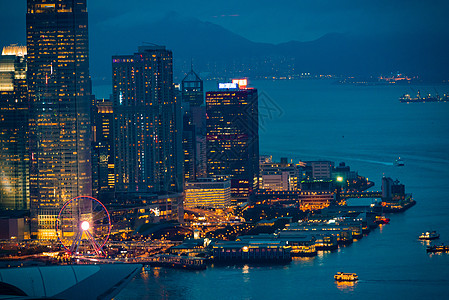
[[367, 128]]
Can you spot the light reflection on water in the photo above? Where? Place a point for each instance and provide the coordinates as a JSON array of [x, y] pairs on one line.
[[346, 286], [303, 260], [246, 274]]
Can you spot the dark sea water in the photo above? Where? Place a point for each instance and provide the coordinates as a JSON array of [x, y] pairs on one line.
[[368, 128]]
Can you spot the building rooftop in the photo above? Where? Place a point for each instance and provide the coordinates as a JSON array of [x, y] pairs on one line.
[[15, 50], [191, 76], [102, 281], [150, 48]]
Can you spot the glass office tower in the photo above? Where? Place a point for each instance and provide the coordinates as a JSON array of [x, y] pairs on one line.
[[58, 83], [14, 156], [233, 139]]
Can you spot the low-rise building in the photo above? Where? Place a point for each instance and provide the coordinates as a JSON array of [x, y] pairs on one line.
[[320, 169], [281, 176], [207, 192]]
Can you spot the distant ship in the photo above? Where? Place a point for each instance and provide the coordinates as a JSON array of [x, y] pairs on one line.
[[406, 98], [429, 235]]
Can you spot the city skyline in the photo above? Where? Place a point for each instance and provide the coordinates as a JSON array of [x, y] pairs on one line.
[[263, 186]]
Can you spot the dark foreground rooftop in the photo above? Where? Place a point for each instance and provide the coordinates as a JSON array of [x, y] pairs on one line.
[[102, 281]]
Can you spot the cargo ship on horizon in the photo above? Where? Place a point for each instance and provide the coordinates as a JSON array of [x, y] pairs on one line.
[[406, 98]]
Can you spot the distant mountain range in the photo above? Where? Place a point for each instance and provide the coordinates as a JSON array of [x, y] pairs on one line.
[[219, 52]]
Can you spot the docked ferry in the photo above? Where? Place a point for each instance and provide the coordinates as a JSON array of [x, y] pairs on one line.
[[341, 276], [178, 262], [429, 235]]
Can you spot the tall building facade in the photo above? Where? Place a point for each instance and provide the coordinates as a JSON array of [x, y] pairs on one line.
[[194, 129], [189, 148], [59, 95], [192, 89], [233, 138], [14, 156], [147, 124], [103, 176]]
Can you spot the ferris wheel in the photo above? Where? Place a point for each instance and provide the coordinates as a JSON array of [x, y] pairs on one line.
[[83, 225]]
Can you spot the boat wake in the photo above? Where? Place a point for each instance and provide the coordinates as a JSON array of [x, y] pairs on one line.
[[374, 161], [307, 154], [351, 158], [404, 280]]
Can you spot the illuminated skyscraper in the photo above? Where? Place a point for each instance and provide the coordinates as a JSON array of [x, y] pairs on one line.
[[58, 75], [233, 138], [14, 156], [194, 129], [148, 149]]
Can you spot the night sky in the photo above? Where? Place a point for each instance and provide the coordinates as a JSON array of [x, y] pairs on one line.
[[415, 32], [261, 20]]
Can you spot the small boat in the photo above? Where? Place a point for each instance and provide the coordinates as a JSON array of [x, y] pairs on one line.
[[438, 248], [429, 235], [341, 276], [147, 268], [381, 220], [399, 162]]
